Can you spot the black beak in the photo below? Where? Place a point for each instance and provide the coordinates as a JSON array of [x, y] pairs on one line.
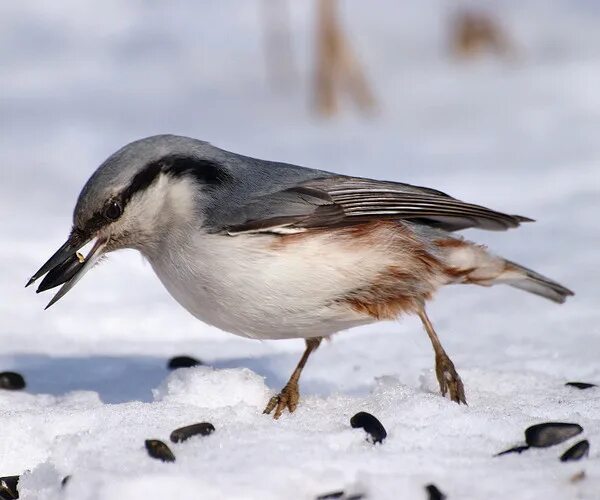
[[62, 255], [62, 272], [66, 267]]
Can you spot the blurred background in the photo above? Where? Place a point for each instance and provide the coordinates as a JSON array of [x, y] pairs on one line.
[[493, 102]]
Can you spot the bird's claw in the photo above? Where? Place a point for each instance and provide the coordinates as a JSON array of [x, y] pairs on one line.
[[449, 379], [287, 398]]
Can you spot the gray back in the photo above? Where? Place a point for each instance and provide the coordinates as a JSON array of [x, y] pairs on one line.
[[247, 177]]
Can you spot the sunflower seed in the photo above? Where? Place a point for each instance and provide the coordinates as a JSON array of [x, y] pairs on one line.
[[8, 487], [550, 433], [580, 385], [183, 433], [11, 381], [576, 452], [434, 492], [158, 449], [182, 362], [331, 496], [341, 495], [370, 424]]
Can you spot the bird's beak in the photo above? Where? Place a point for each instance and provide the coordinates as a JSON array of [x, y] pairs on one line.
[[67, 266]]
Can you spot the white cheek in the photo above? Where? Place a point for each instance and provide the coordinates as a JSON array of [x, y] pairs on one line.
[[181, 195], [166, 201]]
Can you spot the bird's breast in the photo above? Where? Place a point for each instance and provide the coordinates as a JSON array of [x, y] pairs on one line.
[[301, 285], [257, 286]]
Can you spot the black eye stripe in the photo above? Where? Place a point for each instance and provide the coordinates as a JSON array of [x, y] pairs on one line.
[[206, 172], [141, 181]]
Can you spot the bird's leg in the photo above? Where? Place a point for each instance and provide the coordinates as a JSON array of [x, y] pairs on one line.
[[289, 395], [444, 368]]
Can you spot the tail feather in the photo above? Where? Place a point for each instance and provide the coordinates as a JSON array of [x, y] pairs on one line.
[[471, 263], [530, 281]]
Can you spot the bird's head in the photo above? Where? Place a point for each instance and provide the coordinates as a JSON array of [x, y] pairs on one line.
[[131, 200]]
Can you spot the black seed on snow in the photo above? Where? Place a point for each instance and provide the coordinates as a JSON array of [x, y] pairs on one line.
[[576, 452], [182, 362], [331, 496], [580, 385], [8, 487], [516, 449], [65, 480], [370, 424], [550, 433], [434, 492], [11, 381], [183, 433], [341, 495], [158, 449]]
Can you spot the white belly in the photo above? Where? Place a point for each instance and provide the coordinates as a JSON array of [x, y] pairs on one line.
[[249, 286]]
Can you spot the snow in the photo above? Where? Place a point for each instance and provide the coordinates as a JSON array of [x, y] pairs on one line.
[[80, 80]]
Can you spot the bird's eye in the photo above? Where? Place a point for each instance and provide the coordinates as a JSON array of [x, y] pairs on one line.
[[113, 210]]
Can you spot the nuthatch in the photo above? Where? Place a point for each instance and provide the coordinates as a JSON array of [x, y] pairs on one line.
[[269, 250]]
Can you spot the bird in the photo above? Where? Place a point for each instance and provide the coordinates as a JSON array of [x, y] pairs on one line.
[[270, 250]]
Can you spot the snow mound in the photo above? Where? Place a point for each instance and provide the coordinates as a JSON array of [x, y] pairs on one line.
[[206, 387]]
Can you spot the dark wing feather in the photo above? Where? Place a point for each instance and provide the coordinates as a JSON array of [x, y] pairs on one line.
[[338, 200]]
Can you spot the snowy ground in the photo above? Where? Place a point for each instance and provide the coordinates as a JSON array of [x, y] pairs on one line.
[[80, 80]]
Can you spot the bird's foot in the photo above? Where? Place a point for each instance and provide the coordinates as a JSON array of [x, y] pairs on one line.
[[287, 398], [449, 379]]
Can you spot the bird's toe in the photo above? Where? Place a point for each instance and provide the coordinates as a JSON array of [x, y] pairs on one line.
[[287, 398], [449, 380]]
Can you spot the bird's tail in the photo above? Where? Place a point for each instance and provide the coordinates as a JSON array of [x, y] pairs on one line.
[[471, 263], [532, 282]]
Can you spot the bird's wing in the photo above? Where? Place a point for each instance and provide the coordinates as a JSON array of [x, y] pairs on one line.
[[340, 200]]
